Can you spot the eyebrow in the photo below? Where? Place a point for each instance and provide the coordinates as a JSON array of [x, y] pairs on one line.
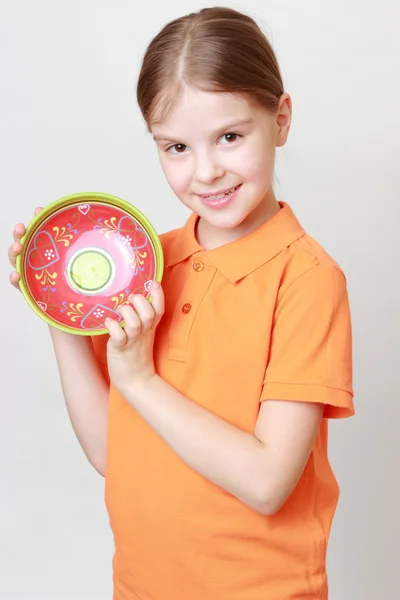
[[162, 138]]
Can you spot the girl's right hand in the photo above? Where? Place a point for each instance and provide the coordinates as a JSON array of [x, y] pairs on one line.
[[15, 249]]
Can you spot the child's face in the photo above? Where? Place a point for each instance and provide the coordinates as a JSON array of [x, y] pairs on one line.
[[211, 143]]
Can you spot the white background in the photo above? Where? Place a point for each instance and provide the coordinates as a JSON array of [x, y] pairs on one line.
[[69, 123]]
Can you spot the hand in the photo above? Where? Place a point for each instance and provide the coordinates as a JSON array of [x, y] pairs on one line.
[[130, 349], [15, 249]]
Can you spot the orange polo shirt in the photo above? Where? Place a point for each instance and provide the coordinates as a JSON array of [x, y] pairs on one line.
[[263, 318]]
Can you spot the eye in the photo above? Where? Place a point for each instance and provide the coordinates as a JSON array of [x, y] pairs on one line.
[[177, 149], [231, 137]]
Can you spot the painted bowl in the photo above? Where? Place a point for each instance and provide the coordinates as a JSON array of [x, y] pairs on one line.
[[82, 256]]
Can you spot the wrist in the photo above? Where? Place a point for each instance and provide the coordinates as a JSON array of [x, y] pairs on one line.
[[139, 388], [59, 336]]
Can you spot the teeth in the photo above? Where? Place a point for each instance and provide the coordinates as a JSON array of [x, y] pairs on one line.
[[220, 196]]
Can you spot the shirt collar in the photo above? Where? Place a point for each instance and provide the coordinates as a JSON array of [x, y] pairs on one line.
[[239, 258]]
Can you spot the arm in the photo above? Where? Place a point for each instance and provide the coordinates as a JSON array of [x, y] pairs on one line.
[[309, 355], [86, 394], [85, 387], [261, 469]]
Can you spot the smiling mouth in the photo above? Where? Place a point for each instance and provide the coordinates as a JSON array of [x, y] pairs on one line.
[[216, 197]]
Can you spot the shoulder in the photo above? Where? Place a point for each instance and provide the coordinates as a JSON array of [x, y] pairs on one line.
[[176, 245], [171, 242], [168, 238], [306, 263]]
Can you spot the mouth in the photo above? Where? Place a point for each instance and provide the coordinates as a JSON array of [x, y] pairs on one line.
[[221, 198], [221, 195]]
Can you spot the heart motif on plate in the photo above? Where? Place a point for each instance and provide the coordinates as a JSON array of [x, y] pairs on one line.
[[95, 318], [84, 208], [42, 305], [132, 234], [43, 253]]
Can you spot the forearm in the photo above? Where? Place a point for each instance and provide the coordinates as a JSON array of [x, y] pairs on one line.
[[229, 457], [86, 394]]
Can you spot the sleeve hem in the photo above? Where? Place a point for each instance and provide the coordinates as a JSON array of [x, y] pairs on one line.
[[338, 403]]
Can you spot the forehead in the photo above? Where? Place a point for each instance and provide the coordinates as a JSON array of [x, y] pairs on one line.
[[200, 111]]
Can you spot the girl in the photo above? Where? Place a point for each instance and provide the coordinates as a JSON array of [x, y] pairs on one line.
[[207, 414]]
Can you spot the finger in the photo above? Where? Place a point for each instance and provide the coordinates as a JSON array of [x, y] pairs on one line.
[[14, 279], [157, 301], [133, 324], [18, 232], [117, 339], [13, 252], [145, 311], [20, 229]]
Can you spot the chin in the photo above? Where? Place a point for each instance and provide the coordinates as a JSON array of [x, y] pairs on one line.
[[224, 220]]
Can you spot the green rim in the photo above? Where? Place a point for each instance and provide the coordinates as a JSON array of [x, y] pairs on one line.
[[70, 200]]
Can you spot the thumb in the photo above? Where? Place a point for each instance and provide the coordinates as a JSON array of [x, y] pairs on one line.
[[157, 301]]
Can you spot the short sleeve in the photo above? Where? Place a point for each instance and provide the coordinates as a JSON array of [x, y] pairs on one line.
[[100, 350], [310, 356]]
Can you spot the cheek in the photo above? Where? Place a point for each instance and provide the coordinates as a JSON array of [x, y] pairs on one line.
[[257, 164], [177, 174]]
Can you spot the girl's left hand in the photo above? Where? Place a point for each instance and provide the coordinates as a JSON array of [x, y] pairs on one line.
[[130, 349]]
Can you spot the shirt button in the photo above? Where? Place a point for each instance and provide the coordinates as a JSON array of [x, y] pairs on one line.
[[186, 308], [198, 265]]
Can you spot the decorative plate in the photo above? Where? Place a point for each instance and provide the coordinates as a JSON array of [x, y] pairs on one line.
[[82, 256]]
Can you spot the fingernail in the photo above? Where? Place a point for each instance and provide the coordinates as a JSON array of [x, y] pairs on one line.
[[155, 285]]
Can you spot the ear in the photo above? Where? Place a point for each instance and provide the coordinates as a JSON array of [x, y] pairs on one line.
[[283, 119]]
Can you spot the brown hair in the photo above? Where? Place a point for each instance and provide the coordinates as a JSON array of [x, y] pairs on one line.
[[215, 50]]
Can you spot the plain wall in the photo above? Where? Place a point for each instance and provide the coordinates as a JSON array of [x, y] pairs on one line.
[[69, 123]]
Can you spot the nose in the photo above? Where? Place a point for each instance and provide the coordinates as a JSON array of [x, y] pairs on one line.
[[207, 168]]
